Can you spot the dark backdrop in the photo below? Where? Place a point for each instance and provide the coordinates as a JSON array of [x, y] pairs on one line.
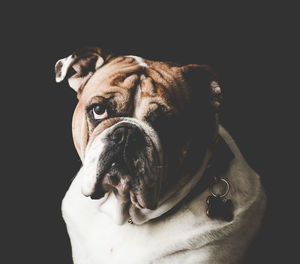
[[251, 48]]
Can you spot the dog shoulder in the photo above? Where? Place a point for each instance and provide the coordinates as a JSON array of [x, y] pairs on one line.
[[244, 180]]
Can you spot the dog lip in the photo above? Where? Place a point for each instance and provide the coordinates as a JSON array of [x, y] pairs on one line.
[[135, 201], [124, 175], [99, 191], [97, 195], [112, 177]]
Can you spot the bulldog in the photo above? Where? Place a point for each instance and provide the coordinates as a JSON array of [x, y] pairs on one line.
[[161, 180]]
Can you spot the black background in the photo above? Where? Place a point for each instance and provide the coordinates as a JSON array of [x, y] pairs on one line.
[[253, 50]]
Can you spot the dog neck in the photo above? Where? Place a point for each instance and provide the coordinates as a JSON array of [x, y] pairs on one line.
[[214, 164], [169, 202]]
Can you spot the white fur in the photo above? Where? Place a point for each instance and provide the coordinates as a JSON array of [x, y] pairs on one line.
[[89, 168], [66, 64], [187, 236], [139, 60], [137, 96]]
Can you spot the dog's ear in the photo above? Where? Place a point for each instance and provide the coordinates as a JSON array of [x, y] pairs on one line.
[[79, 66], [204, 98], [203, 82]]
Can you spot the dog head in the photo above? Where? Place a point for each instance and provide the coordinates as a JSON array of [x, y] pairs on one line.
[[141, 127]]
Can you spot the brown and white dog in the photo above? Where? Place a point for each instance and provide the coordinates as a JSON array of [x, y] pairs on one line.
[[145, 132]]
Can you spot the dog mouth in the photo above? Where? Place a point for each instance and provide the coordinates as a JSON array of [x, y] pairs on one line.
[[118, 179], [128, 166]]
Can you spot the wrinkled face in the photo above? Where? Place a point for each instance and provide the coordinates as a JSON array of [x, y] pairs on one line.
[[140, 131]]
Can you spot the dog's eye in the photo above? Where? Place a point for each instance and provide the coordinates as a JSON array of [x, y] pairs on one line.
[[99, 112]]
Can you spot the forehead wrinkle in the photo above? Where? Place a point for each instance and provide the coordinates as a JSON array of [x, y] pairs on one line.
[[104, 91], [100, 98], [162, 80], [148, 87], [126, 81], [111, 69], [108, 75], [169, 83], [151, 87]]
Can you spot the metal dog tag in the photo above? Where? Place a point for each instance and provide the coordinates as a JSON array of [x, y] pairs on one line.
[[219, 208]]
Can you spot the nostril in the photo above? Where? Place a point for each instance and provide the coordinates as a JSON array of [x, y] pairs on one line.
[[118, 136], [128, 134], [114, 180], [136, 138]]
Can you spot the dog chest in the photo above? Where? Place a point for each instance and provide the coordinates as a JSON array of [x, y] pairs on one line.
[[95, 239]]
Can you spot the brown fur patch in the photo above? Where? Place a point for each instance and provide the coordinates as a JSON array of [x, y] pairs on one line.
[[162, 84]]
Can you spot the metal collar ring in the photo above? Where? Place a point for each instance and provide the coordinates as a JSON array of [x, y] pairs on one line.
[[225, 192]]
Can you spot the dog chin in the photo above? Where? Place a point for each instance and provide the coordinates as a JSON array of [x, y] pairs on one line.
[[120, 211], [120, 187], [114, 207]]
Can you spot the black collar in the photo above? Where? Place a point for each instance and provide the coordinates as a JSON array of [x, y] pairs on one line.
[[221, 157], [216, 167]]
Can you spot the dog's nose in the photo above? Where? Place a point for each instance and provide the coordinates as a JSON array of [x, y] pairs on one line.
[[127, 134]]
